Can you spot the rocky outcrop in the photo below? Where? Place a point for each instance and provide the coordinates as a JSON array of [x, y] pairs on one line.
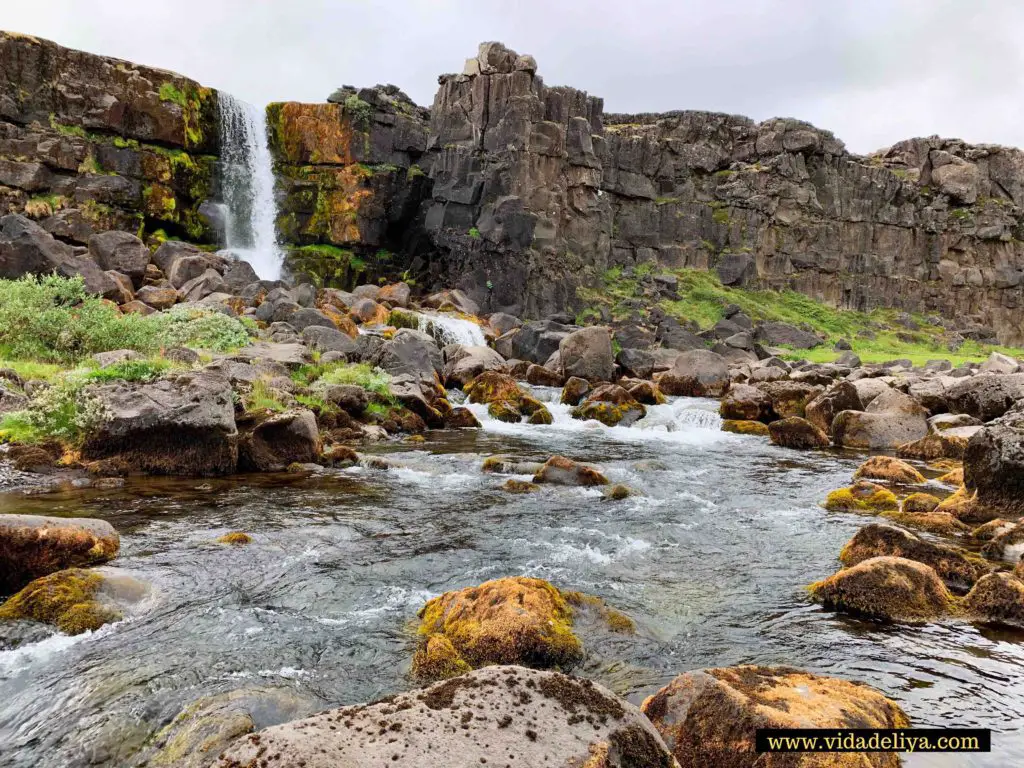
[[526, 717], [90, 143]]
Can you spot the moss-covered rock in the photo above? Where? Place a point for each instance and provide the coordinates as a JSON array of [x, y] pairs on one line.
[[615, 619], [953, 567], [575, 390], [514, 620], [797, 432], [236, 538], [647, 393], [964, 506], [997, 598], [935, 522], [69, 600], [862, 496], [710, 717], [954, 477], [618, 492], [935, 446], [503, 410], [758, 428], [519, 486], [559, 470], [919, 504], [541, 416], [493, 387], [890, 589], [889, 469], [33, 546], [461, 418]]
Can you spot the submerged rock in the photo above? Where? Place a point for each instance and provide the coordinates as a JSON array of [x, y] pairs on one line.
[[574, 391], [513, 620], [890, 469], [611, 405], [710, 717], [886, 589], [919, 503], [559, 470], [494, 716], [33, 546], [745, 427], [877, 540]]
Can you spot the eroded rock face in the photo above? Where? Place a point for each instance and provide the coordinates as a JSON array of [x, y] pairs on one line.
[[710, 717], [285, 438], [527, 717], [32, 546], [99, 144], [994, 464], [179, 425]]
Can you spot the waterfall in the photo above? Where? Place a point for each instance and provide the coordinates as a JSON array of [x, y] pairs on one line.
[[247, 186], [446, 329]]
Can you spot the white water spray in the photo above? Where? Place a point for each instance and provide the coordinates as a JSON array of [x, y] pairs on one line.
[[446, 329], [247, 186]]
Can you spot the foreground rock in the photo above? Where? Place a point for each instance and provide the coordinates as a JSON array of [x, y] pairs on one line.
[[588, 355], [997, 598], [74, 600], [877, 540], [890, 469], [795, 432], [505, 621], [495, 716], [994, 464], [862, 496], [33, 546], [180, 425], [710, 717], [285, 438], [886, 589]]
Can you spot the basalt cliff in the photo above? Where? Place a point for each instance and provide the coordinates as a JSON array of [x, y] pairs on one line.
[[519, 193]]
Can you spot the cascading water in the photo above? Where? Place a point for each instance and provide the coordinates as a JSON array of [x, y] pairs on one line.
[[452, 330], [247, 186]]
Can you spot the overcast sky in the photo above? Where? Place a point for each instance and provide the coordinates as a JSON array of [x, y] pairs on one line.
[[872, 71]]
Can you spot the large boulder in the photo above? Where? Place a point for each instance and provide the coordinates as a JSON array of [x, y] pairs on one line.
[[822, 410], [463, 364], [513, 620], [33, 546], [410, 352], [876, 540], [494, 716], [785, 335], [588, 354], [28, 249], [795, 432], [122, 252], [889, 469], [994, 464], [710, 717], [179, 425], [997, 598], [987, 396], [790, 398], [273, 443], [890, 419], [697, 373], [746, 403], [886, 589]]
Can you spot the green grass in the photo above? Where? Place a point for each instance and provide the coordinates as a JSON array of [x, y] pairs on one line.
[[29, 369], [703, 299], [131, 370], [263, 398]]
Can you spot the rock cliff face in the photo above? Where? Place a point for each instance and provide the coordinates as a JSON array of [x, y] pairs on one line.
[[89, 144], [535, 190]]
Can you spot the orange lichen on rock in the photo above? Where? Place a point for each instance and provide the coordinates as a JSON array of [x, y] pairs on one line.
[[312, 133], [888, 468]]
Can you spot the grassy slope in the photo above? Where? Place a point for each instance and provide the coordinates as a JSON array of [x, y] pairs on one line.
[[703, 299]]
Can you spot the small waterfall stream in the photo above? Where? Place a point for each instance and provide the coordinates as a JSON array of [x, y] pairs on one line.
[[247, 186], [447, 329]]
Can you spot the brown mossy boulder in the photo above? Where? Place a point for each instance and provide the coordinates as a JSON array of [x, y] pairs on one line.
[[559, 470], [32, 546], [617, 492], [368, 312], [504, 410], [339, 456], [991, 529], [890, 589], [541, 416], [513, 620], [461, 418], [540, 376], [33, 458], [709, 718], [575, 390], [796, 432], [498, 716], [615, 619], [493, 387], [235, 538], [965, 506], [647, 393], [696, 373], [919, 504], [745, 427], [790, 398], [611, 405], [519, 486], [822, 410], [1007, 544], [746, 403], [862, 496], [876, 540], [275, 441], [997, 598], [936, 446], [68, 600], [890, 469], [503, 464]]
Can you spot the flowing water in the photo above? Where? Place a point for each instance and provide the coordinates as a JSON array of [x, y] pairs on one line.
[[710, 558], [448, 329], [246, 175]]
